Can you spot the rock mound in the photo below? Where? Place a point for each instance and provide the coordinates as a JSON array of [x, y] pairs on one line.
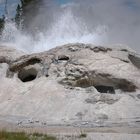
[[71, 84]]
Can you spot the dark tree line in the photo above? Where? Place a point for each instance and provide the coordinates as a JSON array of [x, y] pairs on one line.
[[2, 21], [20, 14], [26, 14], [21, 9]]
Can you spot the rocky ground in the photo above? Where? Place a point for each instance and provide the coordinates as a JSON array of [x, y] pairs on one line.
[[76, 85]]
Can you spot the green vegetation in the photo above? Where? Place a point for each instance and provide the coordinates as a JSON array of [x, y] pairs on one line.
[[82, 135], [23, 136]]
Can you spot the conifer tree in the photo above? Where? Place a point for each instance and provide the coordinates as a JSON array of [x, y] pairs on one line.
[[2, 21], [18, 16]]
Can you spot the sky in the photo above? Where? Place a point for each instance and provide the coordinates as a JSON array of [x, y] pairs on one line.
[[12, 4], [133, 5], [63, 1]]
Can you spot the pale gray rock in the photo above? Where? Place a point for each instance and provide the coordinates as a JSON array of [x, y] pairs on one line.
[[70, 84], [3, 69], [9, 54]]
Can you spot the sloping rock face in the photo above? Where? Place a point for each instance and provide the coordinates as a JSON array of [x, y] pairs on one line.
[[8, 54], [75, 84], [135, 59]]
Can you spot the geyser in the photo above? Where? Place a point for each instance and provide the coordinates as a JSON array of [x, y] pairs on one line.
[[54, 24]]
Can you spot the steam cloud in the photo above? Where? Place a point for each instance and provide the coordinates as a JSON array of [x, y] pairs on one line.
[[87, 21]]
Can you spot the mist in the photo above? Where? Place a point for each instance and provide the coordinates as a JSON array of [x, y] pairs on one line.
[[52, 23]]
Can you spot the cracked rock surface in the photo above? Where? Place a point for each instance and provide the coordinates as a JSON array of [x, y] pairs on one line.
[[71, 84]]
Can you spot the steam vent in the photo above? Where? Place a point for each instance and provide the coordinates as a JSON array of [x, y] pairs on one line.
[[74, 84]]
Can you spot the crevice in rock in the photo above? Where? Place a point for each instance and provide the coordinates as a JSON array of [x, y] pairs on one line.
[[26, 75], [124, 50], [63, 58], [135, 59], [100, 49], [126, 61]]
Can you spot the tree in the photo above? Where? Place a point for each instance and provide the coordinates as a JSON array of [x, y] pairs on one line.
[[25, 2], [20, 10], [2, 21], [18, 16]]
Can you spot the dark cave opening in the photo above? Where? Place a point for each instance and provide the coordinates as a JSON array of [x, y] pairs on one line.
[[63, 58], [105, 89], [27, 75], [28, 78]]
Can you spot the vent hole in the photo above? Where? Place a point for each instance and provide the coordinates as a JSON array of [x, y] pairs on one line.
[[105, 89], [63, 58], [27, 75], [29, 78]]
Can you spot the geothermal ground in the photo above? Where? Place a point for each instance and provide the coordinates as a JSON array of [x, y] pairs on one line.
[[72, 88]]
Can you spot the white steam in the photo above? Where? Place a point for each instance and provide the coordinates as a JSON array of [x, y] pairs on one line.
[[92, 21], [14, 37], [66, 28]]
